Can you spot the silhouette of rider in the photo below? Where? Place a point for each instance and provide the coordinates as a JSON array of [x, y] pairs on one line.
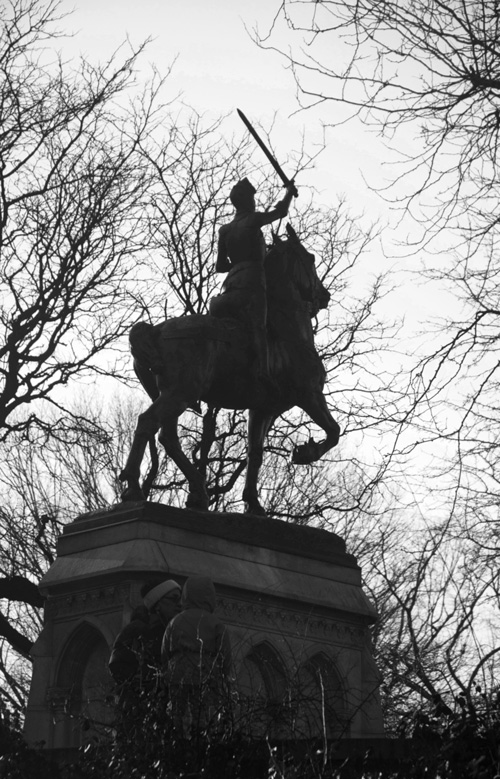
[[241, 253]]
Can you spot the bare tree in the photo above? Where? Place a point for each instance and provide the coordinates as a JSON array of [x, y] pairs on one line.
[[73, 187], [426, 74], [72, 197], [45, 483]]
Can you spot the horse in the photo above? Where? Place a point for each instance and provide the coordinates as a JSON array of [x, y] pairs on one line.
[[200, 357]]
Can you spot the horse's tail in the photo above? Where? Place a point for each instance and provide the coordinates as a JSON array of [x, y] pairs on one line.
[[144, 346], [147, 360]]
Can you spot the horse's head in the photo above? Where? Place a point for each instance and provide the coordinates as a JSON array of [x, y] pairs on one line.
[[298, 267]]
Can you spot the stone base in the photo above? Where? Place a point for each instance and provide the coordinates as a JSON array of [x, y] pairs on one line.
[[291, 597]]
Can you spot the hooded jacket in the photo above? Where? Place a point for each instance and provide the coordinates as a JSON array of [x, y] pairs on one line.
[[123, 662], [196, 646]]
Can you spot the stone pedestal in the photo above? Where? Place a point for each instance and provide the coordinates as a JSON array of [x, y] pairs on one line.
[[291, 597]]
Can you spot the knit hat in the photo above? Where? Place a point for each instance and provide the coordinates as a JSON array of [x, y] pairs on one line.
[[154, 595]]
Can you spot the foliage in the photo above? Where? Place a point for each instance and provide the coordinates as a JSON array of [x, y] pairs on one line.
[[464, 738], [437, 743], [17, 760]]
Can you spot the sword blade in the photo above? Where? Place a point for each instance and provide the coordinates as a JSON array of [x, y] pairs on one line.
[[277, 167]]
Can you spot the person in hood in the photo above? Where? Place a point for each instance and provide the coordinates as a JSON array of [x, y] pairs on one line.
[[123, 663], [196, 657], [163, 601], [136, 654], [139, 643]]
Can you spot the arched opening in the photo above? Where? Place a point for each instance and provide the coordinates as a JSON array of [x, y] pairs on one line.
[[83, 686], [319, 702], [262, 685]]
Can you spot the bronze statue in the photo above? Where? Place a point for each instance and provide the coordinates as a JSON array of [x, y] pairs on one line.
[[192, 358], [262, 319]]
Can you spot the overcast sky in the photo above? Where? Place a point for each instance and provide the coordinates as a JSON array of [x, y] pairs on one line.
[[219, 68]]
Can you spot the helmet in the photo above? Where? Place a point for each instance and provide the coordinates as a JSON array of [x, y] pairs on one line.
[[241, 193]]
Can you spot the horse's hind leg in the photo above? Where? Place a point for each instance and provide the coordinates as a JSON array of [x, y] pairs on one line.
[[315, 405], [148, 425], [259, 425], [198, 496]]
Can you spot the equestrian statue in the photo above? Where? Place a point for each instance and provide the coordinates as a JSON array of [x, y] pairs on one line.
[[255, 350]]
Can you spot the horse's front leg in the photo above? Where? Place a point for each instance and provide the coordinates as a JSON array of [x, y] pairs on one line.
[[147, 426], [259, 425], [315, 406]]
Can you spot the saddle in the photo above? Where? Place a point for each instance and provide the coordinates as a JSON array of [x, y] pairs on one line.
[[200, 327]]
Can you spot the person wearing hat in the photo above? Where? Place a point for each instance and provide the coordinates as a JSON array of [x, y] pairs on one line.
[[241, 253], [138, 645], [162, 600]]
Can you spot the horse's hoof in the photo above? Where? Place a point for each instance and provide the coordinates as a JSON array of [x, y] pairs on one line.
[[304, 454], [197, 503], [131, 494], [256, 509], [300, 455]]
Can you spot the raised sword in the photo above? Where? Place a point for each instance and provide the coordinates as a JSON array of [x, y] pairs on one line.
[[277, 167]]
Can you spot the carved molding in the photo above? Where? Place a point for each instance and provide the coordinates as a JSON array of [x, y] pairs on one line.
[[85, 602], [289, 622]]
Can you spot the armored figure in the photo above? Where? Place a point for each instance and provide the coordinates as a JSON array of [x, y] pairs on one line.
[[241, 253]]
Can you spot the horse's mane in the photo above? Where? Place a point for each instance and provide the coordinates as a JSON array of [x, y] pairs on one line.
[[288, 261]]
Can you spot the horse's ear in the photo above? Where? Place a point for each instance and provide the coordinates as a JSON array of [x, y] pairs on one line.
[[291, 233]]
